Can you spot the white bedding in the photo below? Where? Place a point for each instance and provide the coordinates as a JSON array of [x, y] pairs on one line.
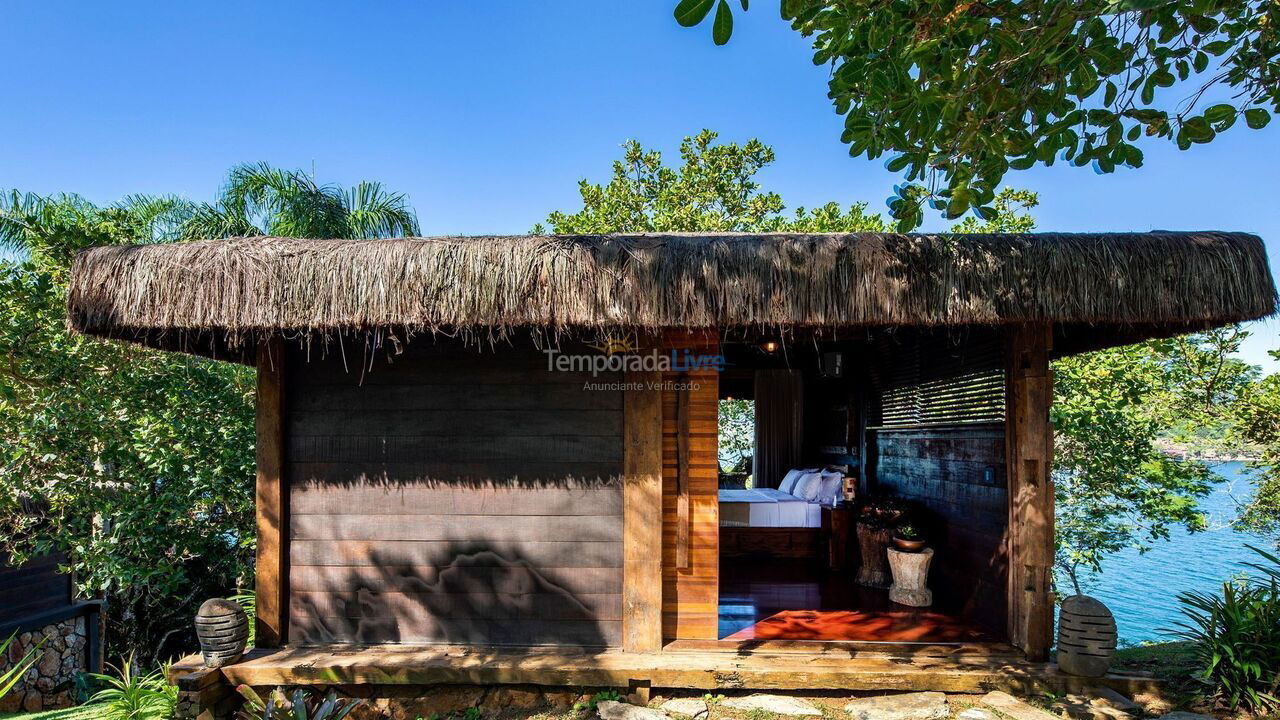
[[767, 507]]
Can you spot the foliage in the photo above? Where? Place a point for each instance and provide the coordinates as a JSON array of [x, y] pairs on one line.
[[596, 699], [297, 706], [1114, 488], [262, 200], [737, 432], [1256, 419], [1236, 637], [907, 531], [248, 601], [714, 189], [10, 677], [133, 696], [138, 465], [960, 93]]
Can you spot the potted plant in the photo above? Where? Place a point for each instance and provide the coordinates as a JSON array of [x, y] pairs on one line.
[[908, 538]]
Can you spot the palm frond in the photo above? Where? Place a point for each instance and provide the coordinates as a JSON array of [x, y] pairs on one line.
[[161, 216], [374, 212]]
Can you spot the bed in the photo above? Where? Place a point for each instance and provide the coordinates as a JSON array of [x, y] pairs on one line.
[[767, 508]]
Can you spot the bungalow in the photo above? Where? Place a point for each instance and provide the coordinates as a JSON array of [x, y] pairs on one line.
[[496, 459]]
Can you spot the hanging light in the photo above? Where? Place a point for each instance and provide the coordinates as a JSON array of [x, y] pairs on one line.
[[768, 346]]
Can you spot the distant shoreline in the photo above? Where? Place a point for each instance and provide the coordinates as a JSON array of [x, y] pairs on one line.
[[1184, 452]]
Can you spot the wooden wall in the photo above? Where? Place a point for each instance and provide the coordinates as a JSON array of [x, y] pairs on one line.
[[33, 588], [453, 495], [958, 476], [690, 496]]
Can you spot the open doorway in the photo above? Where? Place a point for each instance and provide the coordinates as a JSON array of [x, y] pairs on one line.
[[798, 427]]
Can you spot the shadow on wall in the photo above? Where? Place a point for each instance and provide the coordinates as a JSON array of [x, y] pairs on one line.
[[465, 593]]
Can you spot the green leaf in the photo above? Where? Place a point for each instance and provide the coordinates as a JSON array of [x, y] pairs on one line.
[[1219, 113], [1257, 118], [691, 12], [744, 5], [1022, 163], [723, 26]]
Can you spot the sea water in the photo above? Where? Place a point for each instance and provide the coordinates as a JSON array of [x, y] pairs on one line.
[[1142, 588]]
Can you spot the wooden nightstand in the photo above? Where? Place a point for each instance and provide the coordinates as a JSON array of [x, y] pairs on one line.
[[837, 528]]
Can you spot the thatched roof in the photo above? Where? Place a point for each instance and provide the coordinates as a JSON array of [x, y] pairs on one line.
[[219, 296]]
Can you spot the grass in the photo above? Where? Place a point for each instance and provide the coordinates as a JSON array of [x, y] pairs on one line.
[[1173, 663], [82, 712]]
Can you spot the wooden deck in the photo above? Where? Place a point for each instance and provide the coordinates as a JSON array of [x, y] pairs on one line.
[[774, 667]]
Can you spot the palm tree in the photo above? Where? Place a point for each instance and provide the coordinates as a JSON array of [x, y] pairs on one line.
[[262, 200], [257, 200]]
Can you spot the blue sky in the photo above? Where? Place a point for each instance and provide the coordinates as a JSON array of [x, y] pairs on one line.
[[488, 114]]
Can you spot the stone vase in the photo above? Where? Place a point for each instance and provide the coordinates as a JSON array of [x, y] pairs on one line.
[[1086, 636], [872, 544], [910, 577], [223, 630]]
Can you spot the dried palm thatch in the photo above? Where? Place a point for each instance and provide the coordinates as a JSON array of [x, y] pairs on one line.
[[224, 294]]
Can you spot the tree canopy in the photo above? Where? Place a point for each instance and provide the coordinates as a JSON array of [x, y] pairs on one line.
[[138, 465], [957, 94]]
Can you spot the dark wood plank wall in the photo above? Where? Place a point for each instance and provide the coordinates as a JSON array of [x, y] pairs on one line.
[[958, 476], [453, 495], [691, 590], [33, 588]]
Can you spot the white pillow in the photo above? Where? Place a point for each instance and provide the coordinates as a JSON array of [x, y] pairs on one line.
[[831, 486], [788, 483], [808, 486]]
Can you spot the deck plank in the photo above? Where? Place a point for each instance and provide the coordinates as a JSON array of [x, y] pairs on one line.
[[734, 668]]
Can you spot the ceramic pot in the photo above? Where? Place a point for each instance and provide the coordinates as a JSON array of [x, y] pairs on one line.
[[906, 545], [223, 631], [1086, 636]]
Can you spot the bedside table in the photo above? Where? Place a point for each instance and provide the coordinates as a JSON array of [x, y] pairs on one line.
[[837, 527]]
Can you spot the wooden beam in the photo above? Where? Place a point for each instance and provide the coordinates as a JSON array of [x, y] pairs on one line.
[[272, 496], [642, 512], [729, 668], [1029, 438], [682, 473]]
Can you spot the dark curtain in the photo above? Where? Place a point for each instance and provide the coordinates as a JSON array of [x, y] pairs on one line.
[[779, 425]]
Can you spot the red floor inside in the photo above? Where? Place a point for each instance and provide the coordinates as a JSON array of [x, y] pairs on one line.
[[763, 599]]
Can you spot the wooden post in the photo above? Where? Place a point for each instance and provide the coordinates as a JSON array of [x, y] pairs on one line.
[[271, 577], [642, 512], [1029, 438]]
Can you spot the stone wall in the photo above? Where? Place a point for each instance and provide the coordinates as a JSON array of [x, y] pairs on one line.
[[50, 683]]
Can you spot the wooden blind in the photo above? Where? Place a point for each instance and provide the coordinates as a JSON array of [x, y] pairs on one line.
[[939, 380]]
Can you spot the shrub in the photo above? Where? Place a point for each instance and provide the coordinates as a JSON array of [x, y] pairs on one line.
[[133, 696], [1236, 637], [297, 706]]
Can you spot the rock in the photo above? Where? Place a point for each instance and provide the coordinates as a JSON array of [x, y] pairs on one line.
[[1013, 707], [513, 697], [1086, 636], [1103, 696], [442, 700], [976, 713], [777, 704], [910, 706], [49, 663], [33, 702], [559, 699], [690, 707], [1184, 715], [611, 710]]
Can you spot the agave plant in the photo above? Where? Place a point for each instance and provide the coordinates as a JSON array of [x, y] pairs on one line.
[[297, 706], [10, 677], [134, 696], [1236, 637]]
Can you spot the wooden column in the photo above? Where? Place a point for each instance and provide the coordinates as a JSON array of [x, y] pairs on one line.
[[1029, 438], [642, 512], [272, 499]]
